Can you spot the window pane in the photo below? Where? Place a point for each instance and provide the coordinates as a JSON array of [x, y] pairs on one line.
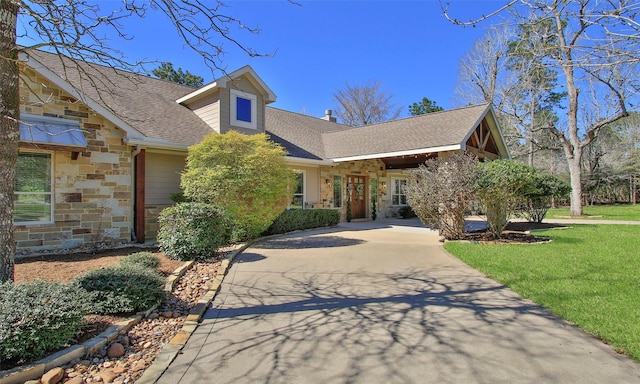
[[243, 109], [337, 191], [33, 172], [297, 201], [30, 207], [300, 180]]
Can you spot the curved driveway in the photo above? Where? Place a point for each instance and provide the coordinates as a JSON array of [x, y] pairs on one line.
[[380, 303]]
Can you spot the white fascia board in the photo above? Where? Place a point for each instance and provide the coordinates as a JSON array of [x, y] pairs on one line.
[[67, 87], [270, 96], [302, 161], [504, 143], [157, 144], [400, 153], [199, 92]]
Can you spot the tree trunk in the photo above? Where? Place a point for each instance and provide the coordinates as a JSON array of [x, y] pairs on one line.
[[9, 133], [576, 183]]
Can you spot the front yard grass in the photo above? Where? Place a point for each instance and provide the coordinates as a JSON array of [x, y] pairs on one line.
[[601, 212], [588, 274]]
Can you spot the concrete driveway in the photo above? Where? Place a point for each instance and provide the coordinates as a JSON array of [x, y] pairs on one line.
[[381, 303]]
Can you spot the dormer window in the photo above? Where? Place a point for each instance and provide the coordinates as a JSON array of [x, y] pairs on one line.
[[243, 109]]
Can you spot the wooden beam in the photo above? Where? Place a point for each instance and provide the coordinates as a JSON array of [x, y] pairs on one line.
[[482, 154], [139, 219], [53, 147]]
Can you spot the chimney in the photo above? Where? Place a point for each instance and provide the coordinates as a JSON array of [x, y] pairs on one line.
[[328, 117]]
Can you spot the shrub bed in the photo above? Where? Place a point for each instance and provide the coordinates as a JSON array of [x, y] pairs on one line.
[[299, 219], [122, 288], [145, 259], [189, 231], [39, 316]]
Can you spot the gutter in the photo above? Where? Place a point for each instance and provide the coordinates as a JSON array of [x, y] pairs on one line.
[[156, 144]]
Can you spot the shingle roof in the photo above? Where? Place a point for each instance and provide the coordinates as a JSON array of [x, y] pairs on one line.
[[144, 103], [313, 138], [299, 134], [438, 129], [149, 106]]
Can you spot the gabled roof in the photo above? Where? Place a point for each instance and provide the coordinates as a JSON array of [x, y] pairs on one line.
[[269, 95], [149, 111], [432, 132], [313, 138], [144, 107]]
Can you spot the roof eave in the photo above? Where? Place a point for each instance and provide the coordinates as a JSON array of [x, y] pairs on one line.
[[157, 144], [67, 87], [269, 95], [302, 161], [444, 148]]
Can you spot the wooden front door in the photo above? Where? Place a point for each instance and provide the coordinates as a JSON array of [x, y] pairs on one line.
[[357, 195]]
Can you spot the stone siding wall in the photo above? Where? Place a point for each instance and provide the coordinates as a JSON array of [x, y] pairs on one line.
[[93, 194], [372, 169]]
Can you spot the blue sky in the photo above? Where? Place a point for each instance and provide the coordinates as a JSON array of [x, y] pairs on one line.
[[320, 45]]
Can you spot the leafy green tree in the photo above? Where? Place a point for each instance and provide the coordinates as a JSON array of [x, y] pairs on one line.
[[425, 106], [166, 72], [538, 194], [500, 188], [440, 191], [244, 174]]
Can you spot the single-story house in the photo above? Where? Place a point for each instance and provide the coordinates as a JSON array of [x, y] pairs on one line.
[[102, 150]]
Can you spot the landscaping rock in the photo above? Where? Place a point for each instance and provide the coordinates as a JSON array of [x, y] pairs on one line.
[[132, 352], [52, 376], [116, 350], [108, 376]]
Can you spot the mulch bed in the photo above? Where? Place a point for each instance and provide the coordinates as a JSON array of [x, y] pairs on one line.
[[515, 233]]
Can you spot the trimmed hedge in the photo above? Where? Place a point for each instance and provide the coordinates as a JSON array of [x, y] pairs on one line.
[[39, 316], [122, 288], [190, 231], [299, 219]]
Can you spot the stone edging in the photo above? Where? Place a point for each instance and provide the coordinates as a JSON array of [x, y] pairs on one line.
[[33, 371], [169, 352]]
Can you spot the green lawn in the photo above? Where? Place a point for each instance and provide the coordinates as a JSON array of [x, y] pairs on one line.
[[602, 212], [589, 275]]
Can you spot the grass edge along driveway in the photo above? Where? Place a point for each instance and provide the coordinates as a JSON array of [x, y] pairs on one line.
[[588, 274]]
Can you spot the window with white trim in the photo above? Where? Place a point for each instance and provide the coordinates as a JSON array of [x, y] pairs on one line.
[[244, 111], [33, 196], [337, 191], [398, 194], [297, 200]]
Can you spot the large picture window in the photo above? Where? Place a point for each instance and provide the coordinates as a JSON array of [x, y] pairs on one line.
[[33, 199], [244, 111], [398, 194], [297, 200]]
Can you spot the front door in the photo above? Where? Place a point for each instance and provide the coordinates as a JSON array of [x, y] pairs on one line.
[[357, 193]]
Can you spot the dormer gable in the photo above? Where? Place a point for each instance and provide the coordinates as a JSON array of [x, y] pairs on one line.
[[234, 102]]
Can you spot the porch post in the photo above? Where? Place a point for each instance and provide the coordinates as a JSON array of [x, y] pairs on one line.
[[139, 219]]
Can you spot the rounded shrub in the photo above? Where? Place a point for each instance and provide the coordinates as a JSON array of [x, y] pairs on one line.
[[247, 175], [190, 231], [122, 288], [145, 259], [39, 316]]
